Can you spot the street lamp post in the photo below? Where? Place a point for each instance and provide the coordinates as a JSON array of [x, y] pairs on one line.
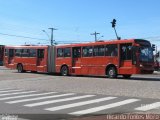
[[46, 33]]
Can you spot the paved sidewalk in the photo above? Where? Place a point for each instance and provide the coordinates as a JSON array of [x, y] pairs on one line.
[[156, 72]]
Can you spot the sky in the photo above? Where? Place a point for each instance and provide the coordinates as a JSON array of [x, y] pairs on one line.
[[77, 19]]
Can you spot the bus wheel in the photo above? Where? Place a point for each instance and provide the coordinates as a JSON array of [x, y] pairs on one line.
[[64, 71], [112, 72], [20, 68], [126, 76]]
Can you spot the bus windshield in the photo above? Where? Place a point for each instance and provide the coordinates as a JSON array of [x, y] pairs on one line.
[[146, 54]]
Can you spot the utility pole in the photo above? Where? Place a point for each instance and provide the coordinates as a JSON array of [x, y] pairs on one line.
[[52, 40], [95, 34]]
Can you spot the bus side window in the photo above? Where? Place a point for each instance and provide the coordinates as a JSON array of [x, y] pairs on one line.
[[87, 51], [99, 50], [76, 52], [32, 53], [95, 51], [40, 53], [25, 53], [60, 52], [67, 52], [111, 50], [18, 52], [6, 52]]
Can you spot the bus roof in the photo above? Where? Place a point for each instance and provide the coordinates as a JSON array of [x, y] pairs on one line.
[[27, 46], [101, 42]]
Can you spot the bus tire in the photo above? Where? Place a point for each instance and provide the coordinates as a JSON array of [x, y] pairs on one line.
[[64, 70], [127, 76], [20, 68], [112, 72]]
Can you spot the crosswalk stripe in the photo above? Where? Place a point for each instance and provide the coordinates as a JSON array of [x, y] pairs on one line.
[[6, 89], [104, 107], [148, 106], [56, 101], [39, 98], [22, 96], [16, 93], [9, 91], [79, 104]]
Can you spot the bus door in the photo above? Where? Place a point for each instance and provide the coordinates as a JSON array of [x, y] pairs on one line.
[[76, 60], [11, 56], [125, 66], [41, 62]]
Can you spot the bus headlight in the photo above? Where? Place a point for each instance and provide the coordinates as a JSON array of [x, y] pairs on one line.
[[140, 65]]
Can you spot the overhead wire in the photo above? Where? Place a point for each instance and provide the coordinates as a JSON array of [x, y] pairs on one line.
[[22, 36], [153, 38]]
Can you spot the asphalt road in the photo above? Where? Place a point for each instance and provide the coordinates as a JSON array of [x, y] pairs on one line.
[[53, 97]]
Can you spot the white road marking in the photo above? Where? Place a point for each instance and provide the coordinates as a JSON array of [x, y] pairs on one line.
[[6, 88], [148, 106], [79, 104], [39, 98], [58, 100], [16, 93], [10, 91], [28, 95], [104, 107]]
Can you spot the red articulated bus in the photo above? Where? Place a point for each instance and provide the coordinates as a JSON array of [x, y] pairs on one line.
[[1, 54], [102, 58]]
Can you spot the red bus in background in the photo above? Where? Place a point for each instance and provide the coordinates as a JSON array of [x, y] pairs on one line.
[[157, 61], [1, 54], [103, 58]]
